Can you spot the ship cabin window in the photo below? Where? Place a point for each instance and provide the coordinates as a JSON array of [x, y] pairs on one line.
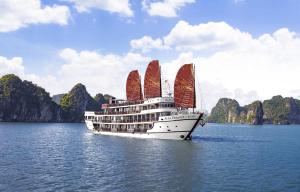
[[165, 114], [152, 107], [166, 105]]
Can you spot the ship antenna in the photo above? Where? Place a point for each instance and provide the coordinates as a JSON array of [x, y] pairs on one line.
[[200, 93], [166, 85], [169, 93]]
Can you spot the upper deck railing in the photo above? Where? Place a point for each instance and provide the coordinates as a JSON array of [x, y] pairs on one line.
[[130, 111], [116, 112], [125, 103], [145, 102], [144, 120]]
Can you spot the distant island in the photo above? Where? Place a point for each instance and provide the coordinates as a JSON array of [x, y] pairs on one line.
[[277, 110], [23, 101]]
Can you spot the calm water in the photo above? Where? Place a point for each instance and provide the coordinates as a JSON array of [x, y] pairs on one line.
[[66, 157]]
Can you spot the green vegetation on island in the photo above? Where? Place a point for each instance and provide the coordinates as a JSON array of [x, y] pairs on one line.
[[102, 99], [229, 111], [23, 101], [277, 110], [76, 102]]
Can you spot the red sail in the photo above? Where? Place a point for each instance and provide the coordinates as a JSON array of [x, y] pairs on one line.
[[152, 81], [133, 86], [184, 87]]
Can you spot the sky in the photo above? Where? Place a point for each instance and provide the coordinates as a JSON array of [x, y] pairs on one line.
[[242, 49]]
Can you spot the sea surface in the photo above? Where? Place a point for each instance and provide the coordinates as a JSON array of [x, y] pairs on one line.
[[67, 157]]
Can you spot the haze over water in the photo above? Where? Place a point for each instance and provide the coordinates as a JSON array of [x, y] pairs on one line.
[[67, 157]]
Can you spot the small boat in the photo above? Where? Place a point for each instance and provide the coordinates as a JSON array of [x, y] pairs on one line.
[[150, 115]]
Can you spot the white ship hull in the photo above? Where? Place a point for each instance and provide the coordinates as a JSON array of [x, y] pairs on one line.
[[166, 135], [177, 127], [89, 124], [150, 115]]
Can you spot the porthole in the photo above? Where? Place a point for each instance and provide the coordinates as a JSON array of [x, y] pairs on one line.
[[181, 136]]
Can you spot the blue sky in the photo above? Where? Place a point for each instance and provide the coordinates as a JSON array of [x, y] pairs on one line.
[[105, 31]]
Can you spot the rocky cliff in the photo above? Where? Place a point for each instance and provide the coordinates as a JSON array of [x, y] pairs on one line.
[[277, 110], [226, 110], [76, 102], [254, 113], [24, 101], [101, 99], [229, 111]]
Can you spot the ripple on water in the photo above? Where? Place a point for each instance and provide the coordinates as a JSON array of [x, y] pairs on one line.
[[66, 157]]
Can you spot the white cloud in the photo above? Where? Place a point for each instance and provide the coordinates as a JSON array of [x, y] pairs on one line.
[[164, 8], [147, 43], [208, 89], [16, 14], [121, 7], [14, 65], [105, 73], [295, 93], [238, 65], [211, 36], [100, 73]]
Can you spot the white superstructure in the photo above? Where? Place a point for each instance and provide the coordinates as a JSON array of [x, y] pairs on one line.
[[150, 115], [152, 118]]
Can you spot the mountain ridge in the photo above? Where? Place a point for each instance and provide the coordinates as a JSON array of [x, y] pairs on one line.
[[277, 110], [23, 101]]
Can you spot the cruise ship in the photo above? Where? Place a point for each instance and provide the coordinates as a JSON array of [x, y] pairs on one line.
[[146, 113]]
